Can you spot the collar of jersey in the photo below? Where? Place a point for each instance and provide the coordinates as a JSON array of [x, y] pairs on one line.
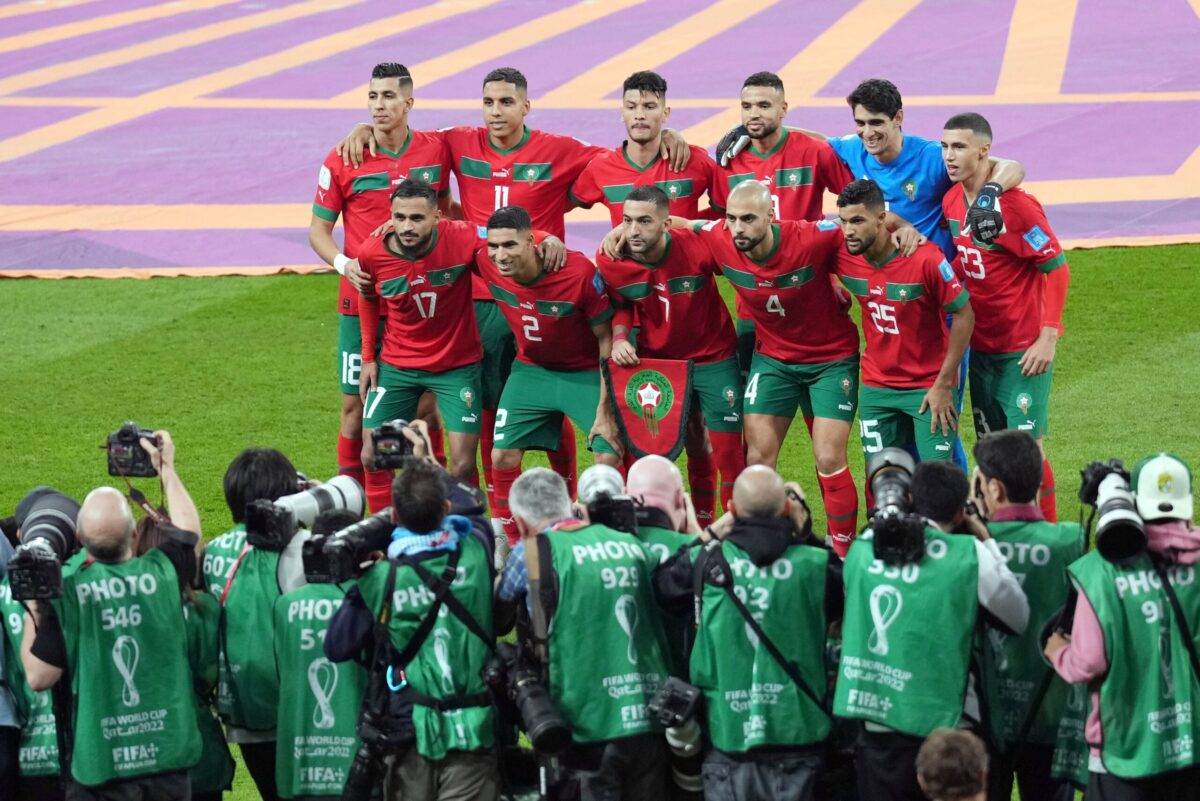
[[634, 164], [759, 154], [778, 237], [514, 148], [666, 252], [432, 245], [397, 153], [879, 265]]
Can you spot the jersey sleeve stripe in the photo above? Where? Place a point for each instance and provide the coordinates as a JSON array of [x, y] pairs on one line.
[[1053, 264], [959, 301], [602, 317], [324, 213]]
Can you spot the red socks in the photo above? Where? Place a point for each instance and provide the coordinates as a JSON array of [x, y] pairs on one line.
[[1047, 499], [840, 497], [379, 489], [562, 461], [730, 459], [500, 511], [702, 481], [349, 458]]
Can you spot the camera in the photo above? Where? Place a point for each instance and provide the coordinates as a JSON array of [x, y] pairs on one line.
[[674, 707], [47, 525], [1120, 533], [126, 456], [392, 448], [507, 674], [339, 557], [618, 512], [899, 532], [270, 525]]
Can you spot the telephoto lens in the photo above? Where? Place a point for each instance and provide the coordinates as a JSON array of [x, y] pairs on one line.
[[270, 525], [47, 514], [1120, 533], [546, 728], [899, 534]]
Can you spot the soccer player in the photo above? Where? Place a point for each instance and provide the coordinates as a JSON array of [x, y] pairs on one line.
[[563, 326], [419, 273], [1020, 312], [795, 167], [806, 355], [910, 364], [361, 197], [666, 279]]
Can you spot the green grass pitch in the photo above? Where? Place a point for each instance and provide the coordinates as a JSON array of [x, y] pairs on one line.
[[225, 363]]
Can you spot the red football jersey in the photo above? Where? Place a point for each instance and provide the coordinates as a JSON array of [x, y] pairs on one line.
[[904, 303], [1006, 280], [362, 195], [797, 171], [552, 318], [680, 311], [789, 294], [430, 316], [610, 176], [536, 174]]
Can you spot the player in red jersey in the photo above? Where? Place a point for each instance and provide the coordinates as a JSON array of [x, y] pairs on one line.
[[361, 197], [562, 321], [910, 365], [1018, 284], [795, 167], [420, 273], [666, 279]]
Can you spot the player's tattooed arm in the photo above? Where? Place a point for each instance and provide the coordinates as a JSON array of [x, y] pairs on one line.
[[674, 149], [939, 399]]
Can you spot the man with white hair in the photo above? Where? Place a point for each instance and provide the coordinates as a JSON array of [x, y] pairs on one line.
[[119, 612], [605, 660]]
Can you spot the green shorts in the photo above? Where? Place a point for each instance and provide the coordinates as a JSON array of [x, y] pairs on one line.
[[745, 331], [533, 404], [349, 355], [396, 396], [499, 350], [825, 389], [888, 418], [717, 387], [1003, 398]]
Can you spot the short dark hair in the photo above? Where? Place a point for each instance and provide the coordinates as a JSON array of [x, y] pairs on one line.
[[333, 520], [951, 765], [257, 474], [414, 187], [513, 217], [507, 75], [392, 69], [645, 81], [1014, 459], [970, 121], [939, 490], [864, 191], [419, 497], [650, 194], [768, 79], [876, 95]]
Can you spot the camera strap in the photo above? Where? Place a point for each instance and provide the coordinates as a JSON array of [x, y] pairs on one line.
[[1185, 631], [404, 656], [712, 567]]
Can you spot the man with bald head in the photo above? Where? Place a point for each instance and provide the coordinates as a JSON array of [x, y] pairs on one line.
[[766, 721], [119, 623]]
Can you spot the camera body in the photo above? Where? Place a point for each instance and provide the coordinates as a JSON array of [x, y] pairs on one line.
[[339, 557], [675, 703], [618, 512], [899, 532], [270, 525], [126, 456], [509, 675], [35, 572], [1120, 532], [391, 447]]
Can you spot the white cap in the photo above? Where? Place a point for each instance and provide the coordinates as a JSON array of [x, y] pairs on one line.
[[1162, 486], [597, 479]]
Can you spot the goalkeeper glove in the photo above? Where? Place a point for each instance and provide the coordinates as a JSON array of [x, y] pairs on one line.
[[731, 144], [984, 218]]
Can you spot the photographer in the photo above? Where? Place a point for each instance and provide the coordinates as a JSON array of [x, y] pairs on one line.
[[247, 581], [952, 765], [438, 575], [1133, 636], [118, 632], [766, 719], [1024, 699], [44, 513], [907, 573], [605, 658]]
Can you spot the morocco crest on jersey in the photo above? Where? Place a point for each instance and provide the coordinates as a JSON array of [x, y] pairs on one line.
[[652, 401]]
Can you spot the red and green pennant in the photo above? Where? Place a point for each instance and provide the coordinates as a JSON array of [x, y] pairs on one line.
[[652, 401]]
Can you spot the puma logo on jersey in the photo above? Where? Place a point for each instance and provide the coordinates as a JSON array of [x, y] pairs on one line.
[[876, 290], [420, 279], [526, 304], [661, 287], [499, 173]]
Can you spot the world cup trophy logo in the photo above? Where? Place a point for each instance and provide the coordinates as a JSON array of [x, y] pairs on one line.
[[885, 603], [125, 653], [441, 654], [626, 612], [322, 680]]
